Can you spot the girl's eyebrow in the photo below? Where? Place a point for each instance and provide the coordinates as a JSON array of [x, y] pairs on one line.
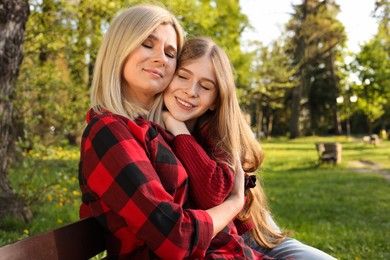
[[203, 79]]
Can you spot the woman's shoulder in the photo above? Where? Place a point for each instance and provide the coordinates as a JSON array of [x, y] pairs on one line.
[[112, 122]]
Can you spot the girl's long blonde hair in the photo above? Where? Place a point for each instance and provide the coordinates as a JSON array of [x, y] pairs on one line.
[[231, 133], [127, 31]]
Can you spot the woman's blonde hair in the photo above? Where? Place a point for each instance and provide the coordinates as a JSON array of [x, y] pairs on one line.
[[232, 135], [127, 31]]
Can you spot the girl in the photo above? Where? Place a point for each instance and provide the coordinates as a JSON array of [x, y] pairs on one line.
[[130, 179], [202, 94]]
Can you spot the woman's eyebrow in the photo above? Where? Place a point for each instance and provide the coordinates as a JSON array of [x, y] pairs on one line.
[[155, 38]]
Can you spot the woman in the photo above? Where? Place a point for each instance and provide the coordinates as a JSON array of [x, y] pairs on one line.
[[130, 179], [202, 94]]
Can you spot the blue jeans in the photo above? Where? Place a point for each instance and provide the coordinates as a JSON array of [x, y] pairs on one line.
[[290, 248]]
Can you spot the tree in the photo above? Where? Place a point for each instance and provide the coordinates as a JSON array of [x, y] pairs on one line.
[[274, 76], [62, 40], [372, 65], [315, 45], [13, 17]]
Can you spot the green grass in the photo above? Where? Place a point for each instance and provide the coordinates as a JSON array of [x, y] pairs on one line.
[[343, 212], [47, 179], [334, 208]]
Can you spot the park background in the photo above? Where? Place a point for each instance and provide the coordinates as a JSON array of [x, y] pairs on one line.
[[304, 87]]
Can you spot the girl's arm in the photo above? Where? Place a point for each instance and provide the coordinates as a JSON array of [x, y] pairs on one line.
[[210, 182]]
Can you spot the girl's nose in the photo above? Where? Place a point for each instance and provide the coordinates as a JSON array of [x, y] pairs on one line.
[[191, 90]]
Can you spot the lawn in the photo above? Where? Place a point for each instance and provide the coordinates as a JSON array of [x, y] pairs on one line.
[[343, 210]]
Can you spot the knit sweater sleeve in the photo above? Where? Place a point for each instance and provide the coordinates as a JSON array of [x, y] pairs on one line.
[[209, 182]]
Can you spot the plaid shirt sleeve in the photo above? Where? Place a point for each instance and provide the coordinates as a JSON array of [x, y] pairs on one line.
[[116, 172]]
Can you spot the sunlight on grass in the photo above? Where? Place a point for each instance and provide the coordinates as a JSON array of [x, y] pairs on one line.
[[334, 208]]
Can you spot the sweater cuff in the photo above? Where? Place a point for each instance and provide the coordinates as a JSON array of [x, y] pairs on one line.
[[185, 146], [243, 227]]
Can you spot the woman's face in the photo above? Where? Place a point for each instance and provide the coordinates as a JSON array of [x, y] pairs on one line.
[[192, 91], [150, 67]]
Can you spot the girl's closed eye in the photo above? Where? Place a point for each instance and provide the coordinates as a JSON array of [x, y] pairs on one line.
[[204, 87], [182, 75]]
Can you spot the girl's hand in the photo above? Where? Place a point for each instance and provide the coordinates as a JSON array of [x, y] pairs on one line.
[[238, 190], [173, 125], [228, 210]]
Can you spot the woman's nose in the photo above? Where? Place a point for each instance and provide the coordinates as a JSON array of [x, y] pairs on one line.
[[160, 57]]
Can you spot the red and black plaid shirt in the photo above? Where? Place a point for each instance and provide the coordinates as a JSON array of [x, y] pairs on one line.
[[136, 187], [133, 184]]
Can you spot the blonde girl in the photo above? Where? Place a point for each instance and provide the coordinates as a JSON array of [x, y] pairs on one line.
[[202, 101]]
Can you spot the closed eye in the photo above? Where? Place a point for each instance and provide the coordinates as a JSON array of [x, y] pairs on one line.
[[170, 55], [181, 76], [147, 45], [204, 87]]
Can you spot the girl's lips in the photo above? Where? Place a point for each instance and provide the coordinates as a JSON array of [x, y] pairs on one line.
[[184, 103]]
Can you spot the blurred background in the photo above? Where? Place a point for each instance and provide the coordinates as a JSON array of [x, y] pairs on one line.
[[307, 71]]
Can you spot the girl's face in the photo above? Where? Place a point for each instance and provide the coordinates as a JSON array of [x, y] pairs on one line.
[[192, 91], [150, 67]]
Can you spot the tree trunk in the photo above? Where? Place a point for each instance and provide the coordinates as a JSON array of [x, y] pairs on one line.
[[259, 119], [13, 17], [297, 91], [270, 124], [336, 114]]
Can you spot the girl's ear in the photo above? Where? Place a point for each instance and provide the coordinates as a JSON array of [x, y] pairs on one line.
[[212, 107]]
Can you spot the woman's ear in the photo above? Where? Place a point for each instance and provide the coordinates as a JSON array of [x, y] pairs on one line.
[[212, 107]]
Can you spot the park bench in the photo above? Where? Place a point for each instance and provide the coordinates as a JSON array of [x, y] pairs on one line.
[[371, 139], [77, 241], [329, 152]]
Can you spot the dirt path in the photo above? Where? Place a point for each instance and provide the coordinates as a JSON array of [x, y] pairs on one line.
[[365, 166]]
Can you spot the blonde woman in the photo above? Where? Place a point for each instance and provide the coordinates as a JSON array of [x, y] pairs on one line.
[[202, 101], [130, 179]]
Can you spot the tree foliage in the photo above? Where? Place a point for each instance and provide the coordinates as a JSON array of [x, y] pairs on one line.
[[372, 65], [315, 47], [274, 77], [289, 86], [62, 40]]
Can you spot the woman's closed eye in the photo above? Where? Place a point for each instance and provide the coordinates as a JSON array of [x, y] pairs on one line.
[[147, 45], [170, 54]]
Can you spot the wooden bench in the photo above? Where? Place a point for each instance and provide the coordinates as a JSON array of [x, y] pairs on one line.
[[371, 139], [77, 241], [329, 152]]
